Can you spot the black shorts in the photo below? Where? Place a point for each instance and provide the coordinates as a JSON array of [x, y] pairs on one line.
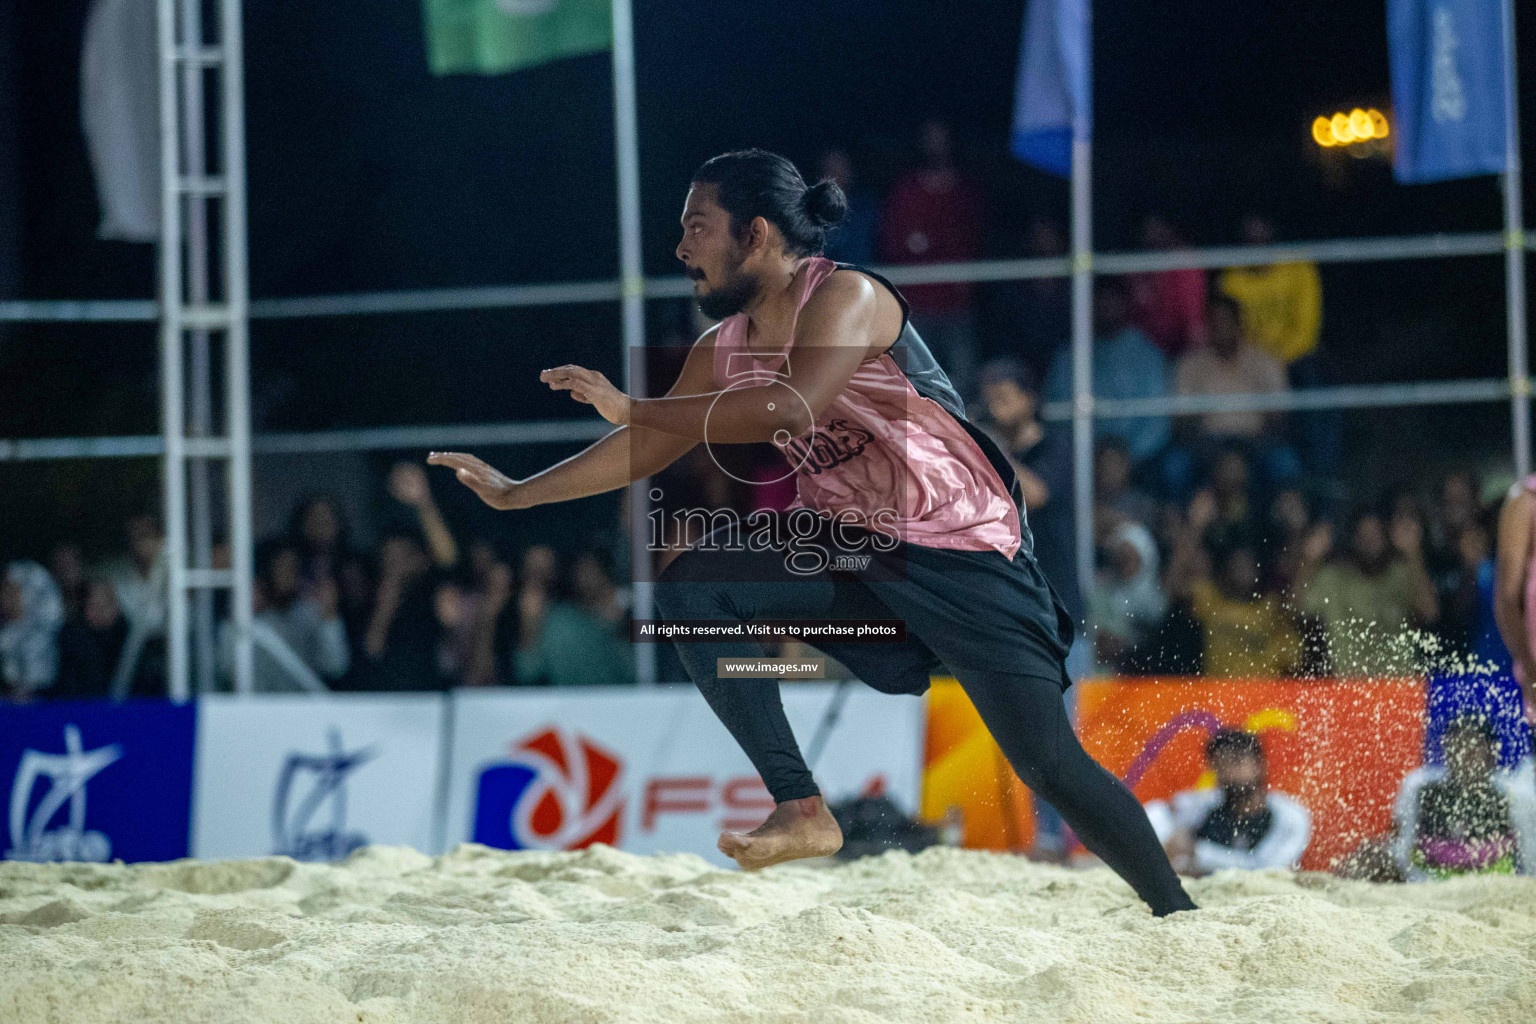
[[962, 609]]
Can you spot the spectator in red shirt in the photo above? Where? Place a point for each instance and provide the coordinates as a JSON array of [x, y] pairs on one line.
[[1169, 304], [934, 215]]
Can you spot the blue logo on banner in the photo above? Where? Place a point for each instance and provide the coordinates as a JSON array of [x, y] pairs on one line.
[[300, 831], [559, 791], [501, 787], [97, 781]]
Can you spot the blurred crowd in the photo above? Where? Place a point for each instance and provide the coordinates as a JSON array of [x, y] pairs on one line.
[[421, 610]]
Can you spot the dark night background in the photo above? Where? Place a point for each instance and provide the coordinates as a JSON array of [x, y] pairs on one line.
[[367, 173]]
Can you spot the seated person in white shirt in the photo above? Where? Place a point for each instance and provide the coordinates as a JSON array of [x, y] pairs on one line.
[[1238, 824], [1466, 816]]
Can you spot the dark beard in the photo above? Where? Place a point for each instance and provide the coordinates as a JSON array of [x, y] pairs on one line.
[[1240, 794], [729, 299]]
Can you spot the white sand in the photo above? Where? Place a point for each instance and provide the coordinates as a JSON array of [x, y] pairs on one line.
[[599, 935]]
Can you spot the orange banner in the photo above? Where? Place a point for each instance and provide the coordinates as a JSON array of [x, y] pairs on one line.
[[1339, 747], [963, 768]]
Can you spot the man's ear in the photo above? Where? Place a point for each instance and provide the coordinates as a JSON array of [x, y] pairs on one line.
[[758, 233]]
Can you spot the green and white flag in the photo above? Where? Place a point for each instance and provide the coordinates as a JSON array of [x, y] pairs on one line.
[[489, 37]]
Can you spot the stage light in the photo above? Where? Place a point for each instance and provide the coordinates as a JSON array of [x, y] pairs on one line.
[[1362, 128]]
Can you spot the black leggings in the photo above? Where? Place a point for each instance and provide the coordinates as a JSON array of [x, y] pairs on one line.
[[1024, 714]]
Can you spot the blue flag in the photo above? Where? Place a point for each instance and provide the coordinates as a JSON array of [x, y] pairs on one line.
[[1051, 96], [1447, 88]]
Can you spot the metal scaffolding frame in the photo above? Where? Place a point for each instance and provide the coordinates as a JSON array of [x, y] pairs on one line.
[[186, 313], [190, 50]]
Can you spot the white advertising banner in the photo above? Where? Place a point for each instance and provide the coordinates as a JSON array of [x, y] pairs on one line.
[[653, 771], [315, 777]]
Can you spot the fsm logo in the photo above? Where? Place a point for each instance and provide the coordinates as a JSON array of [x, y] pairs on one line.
[[67, 773], [558, 791], [299, 828]]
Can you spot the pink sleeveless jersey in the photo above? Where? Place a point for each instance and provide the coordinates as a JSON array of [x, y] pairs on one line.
[[882, 447]]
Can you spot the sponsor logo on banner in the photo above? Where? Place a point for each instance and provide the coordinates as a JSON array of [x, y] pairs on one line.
[[96, 781], [558, 791], [649, 772], [562, 791], [66, 776], [309, 811]]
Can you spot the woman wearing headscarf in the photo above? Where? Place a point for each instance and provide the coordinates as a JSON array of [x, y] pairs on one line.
[[31, 613]]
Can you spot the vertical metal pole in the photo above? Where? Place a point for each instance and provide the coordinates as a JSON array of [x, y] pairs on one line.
[[237, 369], [200, 413], [1082, 319], [1514, 254], [172, 396], [632, 286]]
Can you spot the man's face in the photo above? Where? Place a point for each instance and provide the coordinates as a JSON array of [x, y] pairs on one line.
[[1239, 775], [1008, 403], [320, 525], [589, 580], [1458, 503], [1370, 542], [1112, 471], [714, 256], [283, 576], [144, 541]]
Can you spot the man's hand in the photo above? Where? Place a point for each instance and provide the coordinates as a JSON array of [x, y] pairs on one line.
[[590, 387], [496, 489]]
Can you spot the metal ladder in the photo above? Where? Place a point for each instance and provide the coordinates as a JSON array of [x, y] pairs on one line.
[[203, 203]]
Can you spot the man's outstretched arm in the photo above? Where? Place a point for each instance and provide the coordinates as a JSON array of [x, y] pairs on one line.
[[832, 337], [615, 460]]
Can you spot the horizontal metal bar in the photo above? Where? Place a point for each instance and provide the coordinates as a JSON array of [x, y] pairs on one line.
[[210, 186], [79, 310], [208, 318], [445, 436], [206, 447], [1351, 250], [41, 448], [435, 299], [365, 439], [578, 292], [204, 56], [209, 579], [1363, 396]]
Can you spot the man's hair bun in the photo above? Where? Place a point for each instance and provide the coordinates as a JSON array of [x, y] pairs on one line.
[[825, 202]]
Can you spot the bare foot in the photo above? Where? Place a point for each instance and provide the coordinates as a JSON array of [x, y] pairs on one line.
[[796, 829]]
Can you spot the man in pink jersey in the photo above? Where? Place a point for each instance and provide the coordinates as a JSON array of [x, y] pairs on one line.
[[1514, 593], [905, 511]]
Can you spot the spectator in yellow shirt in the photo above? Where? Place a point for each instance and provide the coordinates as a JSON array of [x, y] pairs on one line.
[[1282, 303]]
